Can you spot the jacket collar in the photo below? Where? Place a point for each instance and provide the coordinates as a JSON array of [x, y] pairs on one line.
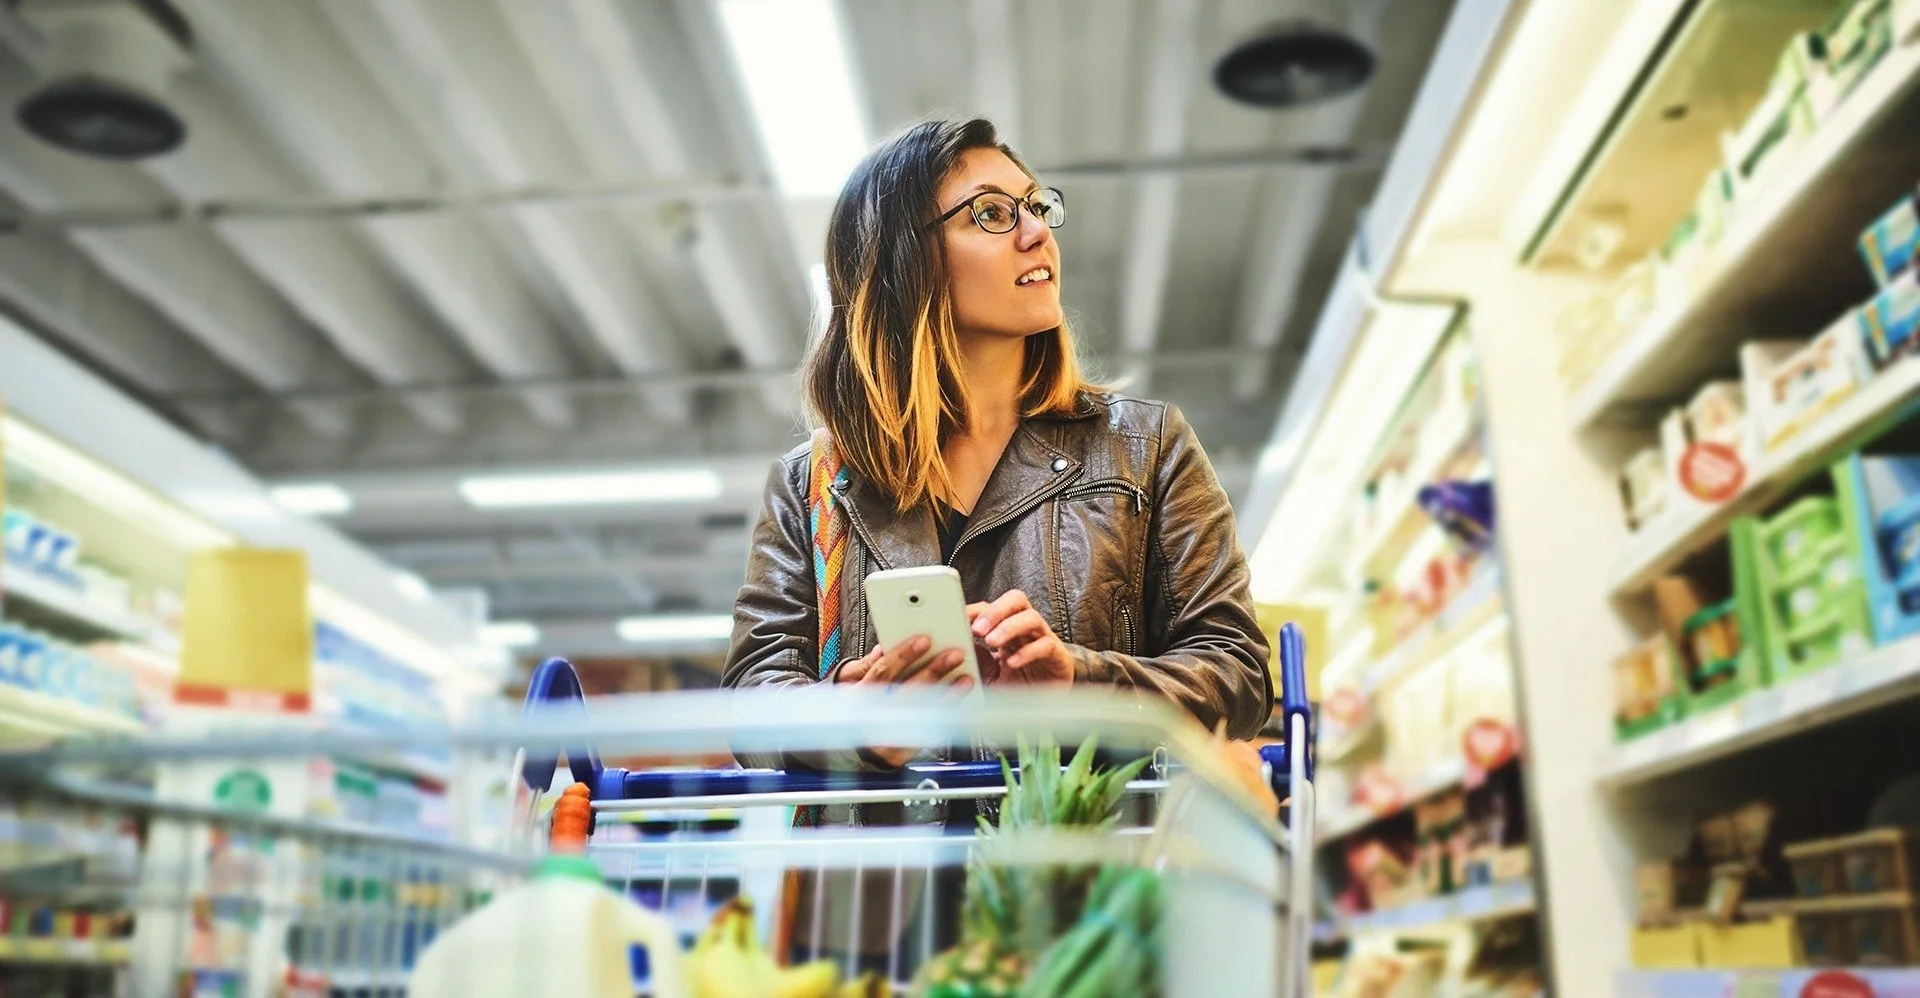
[[1030, 470]]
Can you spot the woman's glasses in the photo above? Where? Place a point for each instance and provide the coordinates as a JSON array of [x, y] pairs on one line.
[[999, 213]]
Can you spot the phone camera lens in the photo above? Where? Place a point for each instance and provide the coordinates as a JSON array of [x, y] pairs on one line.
[[913, 598]]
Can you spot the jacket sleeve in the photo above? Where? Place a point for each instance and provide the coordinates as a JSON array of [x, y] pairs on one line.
[[776, 615], [1211, 655]]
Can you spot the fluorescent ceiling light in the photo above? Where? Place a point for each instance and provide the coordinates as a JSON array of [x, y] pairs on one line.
[[794, 65], [679, 629], [591, 488], [509, 633], [412, 586], [313, 498]]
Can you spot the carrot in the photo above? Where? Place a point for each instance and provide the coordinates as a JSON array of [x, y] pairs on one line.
[[572, 818]]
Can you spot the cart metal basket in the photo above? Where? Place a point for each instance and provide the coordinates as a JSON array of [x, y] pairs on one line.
[[227, 859]]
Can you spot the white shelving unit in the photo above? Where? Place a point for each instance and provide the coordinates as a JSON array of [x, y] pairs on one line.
[[1879, 677], [1475, 904], [1434, 782], [1666, 542], [29, 715], [70, 605], [1688, 339]]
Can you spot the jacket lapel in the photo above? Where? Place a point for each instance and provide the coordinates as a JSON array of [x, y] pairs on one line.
[[895, 539], [1029, 470]]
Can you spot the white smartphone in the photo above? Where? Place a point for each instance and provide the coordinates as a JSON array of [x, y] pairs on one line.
[[904, 602]]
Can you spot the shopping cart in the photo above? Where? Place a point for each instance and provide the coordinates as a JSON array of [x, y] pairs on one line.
[[209, 864]]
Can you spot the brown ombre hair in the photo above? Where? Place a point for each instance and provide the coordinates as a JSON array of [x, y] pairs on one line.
[[884, 379]]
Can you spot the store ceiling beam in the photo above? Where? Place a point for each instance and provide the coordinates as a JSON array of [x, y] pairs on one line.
[[1156, 203], [59, 288], [307, 91], [324, 270], [185, 273], [717, 189], [746, 379], [454, 69], [623, 56]]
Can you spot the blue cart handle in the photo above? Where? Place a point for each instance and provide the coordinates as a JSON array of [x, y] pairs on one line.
[[1293, 703], [556, 684]]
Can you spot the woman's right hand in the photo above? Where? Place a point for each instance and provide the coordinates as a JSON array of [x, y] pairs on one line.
[[881, 668]]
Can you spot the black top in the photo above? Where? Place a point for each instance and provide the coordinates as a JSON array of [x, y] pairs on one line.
[[950, 523]]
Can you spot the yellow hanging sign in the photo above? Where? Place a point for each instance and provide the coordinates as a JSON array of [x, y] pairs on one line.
[[248, 639]]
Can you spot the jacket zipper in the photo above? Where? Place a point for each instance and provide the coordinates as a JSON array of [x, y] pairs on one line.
[[1110, 486], [1130, 645], [977, 528]]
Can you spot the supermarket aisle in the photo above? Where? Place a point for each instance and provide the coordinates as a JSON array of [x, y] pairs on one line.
[[356, 358]]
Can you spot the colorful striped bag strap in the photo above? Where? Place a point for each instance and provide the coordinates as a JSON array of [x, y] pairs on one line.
[[827, 525]]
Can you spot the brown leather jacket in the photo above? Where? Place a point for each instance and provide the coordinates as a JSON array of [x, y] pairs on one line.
[[1111, 521]]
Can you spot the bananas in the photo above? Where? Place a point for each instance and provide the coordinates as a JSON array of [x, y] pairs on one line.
[[728, 962]]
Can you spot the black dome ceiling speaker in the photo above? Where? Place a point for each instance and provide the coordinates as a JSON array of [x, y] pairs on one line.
[[1293, 66], [107, 72], [102, 119]]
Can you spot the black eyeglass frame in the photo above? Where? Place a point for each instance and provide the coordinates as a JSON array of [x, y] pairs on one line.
[[1025, 201]]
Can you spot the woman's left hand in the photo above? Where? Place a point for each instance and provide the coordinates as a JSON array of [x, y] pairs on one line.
[[1020, 645]]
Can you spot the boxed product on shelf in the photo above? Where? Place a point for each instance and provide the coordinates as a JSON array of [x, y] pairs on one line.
[[1706, 446], [1760, 944], [1665, 888], [1644, 487], [1647, 693], [1889, 320], [1667, 947], [1790, 384], [1799, 578], [1887, 245], [1868, 931], [1876, 861], [1800, 94], [1859, 36], [1880, 501], [1715, 660]]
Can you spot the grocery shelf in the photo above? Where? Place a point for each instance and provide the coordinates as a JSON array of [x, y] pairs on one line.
[[1475, 904], [1878, 677], [1792, 232], [1663, 544], [1438, 780], [29, 715], [1756, 983], [1402, 525], [17, 949], [71, 607], [1474, 606]]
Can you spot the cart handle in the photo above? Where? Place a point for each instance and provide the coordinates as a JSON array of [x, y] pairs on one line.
[[1293, 703], [555, 683]]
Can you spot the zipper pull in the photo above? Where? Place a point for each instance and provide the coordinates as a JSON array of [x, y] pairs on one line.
[[1139, 499]]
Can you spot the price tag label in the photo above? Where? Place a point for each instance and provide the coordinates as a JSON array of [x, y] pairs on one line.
[[1475, 903], [1642, 750]]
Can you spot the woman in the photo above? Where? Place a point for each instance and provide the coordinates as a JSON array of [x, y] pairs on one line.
[[1089, 527]]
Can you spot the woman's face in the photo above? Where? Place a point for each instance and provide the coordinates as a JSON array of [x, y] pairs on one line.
[[985, 270]]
